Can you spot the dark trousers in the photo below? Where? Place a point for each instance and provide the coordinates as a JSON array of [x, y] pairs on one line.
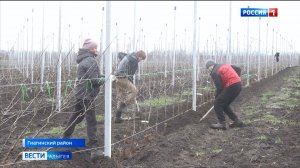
[[83, 108], [223, 101]]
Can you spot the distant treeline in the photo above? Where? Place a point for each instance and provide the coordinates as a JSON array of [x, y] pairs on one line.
[[3, 53]]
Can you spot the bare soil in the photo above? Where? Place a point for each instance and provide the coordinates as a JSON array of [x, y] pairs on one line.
[[270, 138]]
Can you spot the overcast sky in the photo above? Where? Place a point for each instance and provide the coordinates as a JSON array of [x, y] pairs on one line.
[[154, 17]]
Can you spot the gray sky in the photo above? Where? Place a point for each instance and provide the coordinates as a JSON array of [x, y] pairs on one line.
[[154, 17]]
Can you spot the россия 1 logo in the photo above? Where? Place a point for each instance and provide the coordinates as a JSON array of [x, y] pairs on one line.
[[259, 12]]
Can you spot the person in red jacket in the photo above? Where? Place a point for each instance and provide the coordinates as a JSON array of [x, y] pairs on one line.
[[227, 80]]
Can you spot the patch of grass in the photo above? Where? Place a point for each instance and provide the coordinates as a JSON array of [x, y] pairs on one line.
[[286, 78], [187, 93], [266, 96], [250, 110], [286, 98], [297, 81], [262, 138], [216, 150], [207, 88], [236, 129], [213, 150], [269, 118], [200, 153], [292, 123], [99, 118], [289, 102], [27, 132], [294, 94], [55, 130], [247, 121], [50, 100], [159, 101], [81, 125], [278, 140], [294, 79]]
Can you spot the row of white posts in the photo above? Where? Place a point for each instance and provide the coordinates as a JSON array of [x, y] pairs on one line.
[[194, 74], [229, 57]]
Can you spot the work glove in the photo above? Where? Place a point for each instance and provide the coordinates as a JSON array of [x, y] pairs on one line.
[[101, 81], [113, 78]]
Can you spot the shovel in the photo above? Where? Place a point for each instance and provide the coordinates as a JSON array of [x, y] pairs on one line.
[[206, 113]]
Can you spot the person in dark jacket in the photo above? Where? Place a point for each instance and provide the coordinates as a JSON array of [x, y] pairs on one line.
[[86, 90], [121, 55], [126, 90], [277, 56], [227, 80]]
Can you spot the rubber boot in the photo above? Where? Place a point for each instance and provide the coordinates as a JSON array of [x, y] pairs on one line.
[[118, 118], [96, 152], [123, 108], [236, 123], [219, 125], [65, 135]]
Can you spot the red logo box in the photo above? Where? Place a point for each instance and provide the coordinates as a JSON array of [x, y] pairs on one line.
[[273, 12]]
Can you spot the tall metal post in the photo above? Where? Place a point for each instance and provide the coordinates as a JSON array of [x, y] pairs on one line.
[[266, 57], [52, 53], [184, 43], [290, 52], [108, 89], [276, 49], [229, 36], [102, 44], [81, 33], [43, 53], [18, 49], [195, 58], [117, 43], [259, 54], [134, 31], [216, 48], [23, 51], [237, 48], [272, 56], [198, 50], [0, 25], [59, 64], [140, 44], [70, 53], [32, 60], [248, 55], [174, 48], [166, 51], [134, 28], [27, 50]]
